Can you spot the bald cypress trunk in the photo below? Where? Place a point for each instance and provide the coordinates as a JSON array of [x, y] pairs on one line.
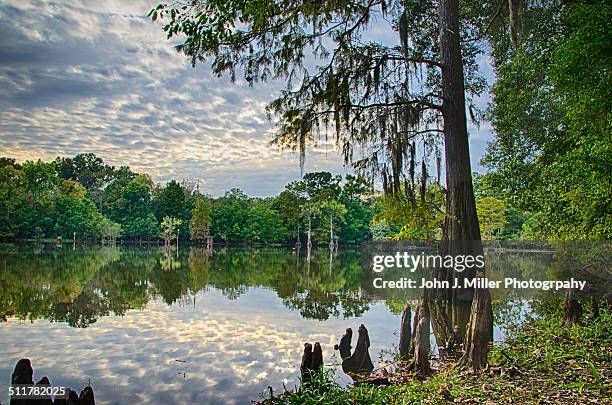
[[461, 231]]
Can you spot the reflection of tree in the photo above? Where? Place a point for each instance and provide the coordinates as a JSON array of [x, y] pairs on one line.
[[83, 310], [79, 286], [125, 282], [199, 267], [34, 283], [321, 292], [168, 261], [168, 279]]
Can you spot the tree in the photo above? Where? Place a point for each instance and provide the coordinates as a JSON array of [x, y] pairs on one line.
[[6, 161], [110, 230], [414, 219], [41, 185], [85, 168], [369, 91], [128, 202], [317, 186], [380, 229], [169, 201], [264, 225], [169, 227], [356, 187], [142, 227], [13, 192], [356, 226], [310, 211], [77, 216], [229, 215], [551, 116], [335, 211], [288, 205], [199, 225], [491, 216]]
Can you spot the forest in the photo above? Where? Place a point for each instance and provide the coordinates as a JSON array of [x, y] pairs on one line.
[[85, 198]]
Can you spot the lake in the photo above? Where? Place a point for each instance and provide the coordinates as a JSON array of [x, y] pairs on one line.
[[145, 326]]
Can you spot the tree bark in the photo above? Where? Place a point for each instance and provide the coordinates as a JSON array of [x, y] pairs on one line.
[[405, 334], [478, 334], [572, 311], [360, 360], [420, 361], [461, 232], [440, 323]]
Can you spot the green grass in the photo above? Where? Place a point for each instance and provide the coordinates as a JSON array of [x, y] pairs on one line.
[[543, 363]]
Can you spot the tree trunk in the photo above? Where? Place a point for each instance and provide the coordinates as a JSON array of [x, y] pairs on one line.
[[331, 231], [478, 334], [461, 230], [309, 243], [572, 311], [461, 223], [440, 323], [420, 361], [405, 334]]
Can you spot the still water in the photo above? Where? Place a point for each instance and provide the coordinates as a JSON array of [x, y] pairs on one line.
[[145, 326]]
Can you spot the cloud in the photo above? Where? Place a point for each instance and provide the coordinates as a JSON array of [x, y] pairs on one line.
[[90, 76]]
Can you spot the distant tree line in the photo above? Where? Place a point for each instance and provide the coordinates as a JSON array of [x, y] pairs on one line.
[[86, 197]]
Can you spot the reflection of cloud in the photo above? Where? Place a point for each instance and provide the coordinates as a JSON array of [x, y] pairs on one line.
[[233, 349]]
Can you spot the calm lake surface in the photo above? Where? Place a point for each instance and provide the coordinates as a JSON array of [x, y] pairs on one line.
[[144, 326]]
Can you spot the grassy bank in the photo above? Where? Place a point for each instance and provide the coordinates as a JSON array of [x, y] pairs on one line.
[[543, 363]]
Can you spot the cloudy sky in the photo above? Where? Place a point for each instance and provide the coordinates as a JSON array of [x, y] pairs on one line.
[[97, 76]]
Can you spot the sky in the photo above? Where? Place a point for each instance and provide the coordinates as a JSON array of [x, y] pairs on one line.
[[80, 76]]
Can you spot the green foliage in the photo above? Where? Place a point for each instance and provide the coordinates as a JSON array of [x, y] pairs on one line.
[[491, 216], [169, 226], [410, 219], [78, 286], [229, 216], [86, 168], [359, 88], [514, 217], [13, 191], [169, 201], [199, 225], [110, 230], [139, 228], [288, 204], [36, 202], [317, 186], [551, 114], [575, 358], [356, 222], [264, 225], [78, 216], [381, 229]]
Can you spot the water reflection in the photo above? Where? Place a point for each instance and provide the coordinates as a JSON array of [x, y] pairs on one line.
[[150, 326], [78, 286]]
